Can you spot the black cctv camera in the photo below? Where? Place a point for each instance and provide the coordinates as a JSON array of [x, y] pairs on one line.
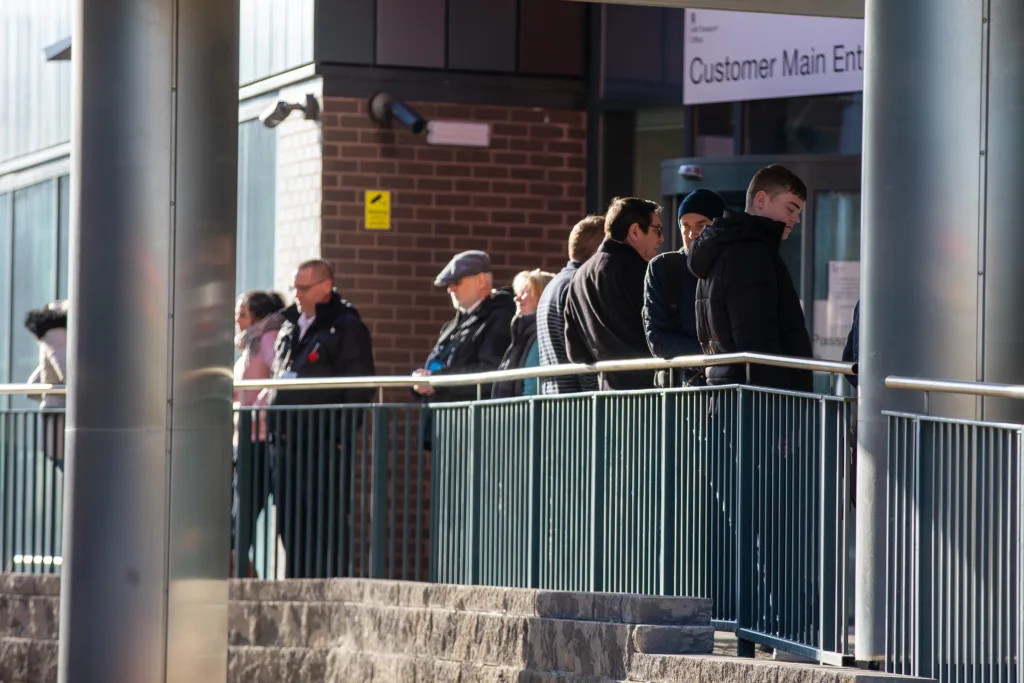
[[278, 112], [384, 107]]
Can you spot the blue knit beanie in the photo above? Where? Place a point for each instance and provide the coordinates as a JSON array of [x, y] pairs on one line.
[[705, 202]]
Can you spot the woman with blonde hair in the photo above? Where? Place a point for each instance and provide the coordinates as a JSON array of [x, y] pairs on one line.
[[523, 352]]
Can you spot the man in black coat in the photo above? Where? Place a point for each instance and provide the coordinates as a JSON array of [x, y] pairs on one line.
[[323, 336], [746, 300], [671, 289], [476, 339], [604, 309]]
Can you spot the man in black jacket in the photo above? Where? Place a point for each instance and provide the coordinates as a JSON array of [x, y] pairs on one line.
[[476, 339], [746, 300], [604, 309], [671, 289], [323, 336]]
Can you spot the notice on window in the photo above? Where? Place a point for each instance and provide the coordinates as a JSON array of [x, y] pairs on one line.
[[833, 317]]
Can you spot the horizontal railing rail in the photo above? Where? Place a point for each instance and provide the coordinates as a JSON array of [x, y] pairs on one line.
[[478, 378], [950, 386]]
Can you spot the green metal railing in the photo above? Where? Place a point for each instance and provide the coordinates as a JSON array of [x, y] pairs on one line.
[[31, 490], [955, 541], [330, 491], [737, 494], [734, 493]]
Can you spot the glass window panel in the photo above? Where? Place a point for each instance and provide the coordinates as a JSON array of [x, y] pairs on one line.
[[257, 206], [63, 235], [35, 271]]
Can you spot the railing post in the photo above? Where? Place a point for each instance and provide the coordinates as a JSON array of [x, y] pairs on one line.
[[536, 441], [379, 494], [745, 512], [473, 520], [669, 514], [828, 533], [924, 464], [597, 495], [244, 523]]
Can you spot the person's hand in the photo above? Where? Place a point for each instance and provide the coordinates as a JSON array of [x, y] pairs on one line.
[[423, 389]]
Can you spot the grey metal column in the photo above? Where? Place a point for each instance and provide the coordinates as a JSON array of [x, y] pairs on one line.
[[146, 526], [943, 289]]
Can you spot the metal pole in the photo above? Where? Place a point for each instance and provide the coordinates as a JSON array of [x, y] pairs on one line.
[[148, 478], [941, 281]]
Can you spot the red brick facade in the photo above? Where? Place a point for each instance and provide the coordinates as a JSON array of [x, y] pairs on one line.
[[516, 200]]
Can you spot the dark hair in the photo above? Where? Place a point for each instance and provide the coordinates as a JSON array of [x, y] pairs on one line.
[[624, 212], [51, 316], [775, 179], [586, 237], [322, 268], [261, 304], [278, 300]]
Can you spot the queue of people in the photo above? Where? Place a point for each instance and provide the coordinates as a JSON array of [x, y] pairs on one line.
[[726, 290]]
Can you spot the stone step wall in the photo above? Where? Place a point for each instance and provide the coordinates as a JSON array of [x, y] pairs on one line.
[[368, 631]]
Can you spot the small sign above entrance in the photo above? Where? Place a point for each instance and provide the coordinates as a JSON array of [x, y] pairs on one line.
[[378, 210]]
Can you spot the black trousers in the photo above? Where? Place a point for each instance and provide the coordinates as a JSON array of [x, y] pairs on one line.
[[311, 487]]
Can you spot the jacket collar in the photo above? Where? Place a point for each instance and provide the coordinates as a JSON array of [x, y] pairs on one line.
[[292, 313]]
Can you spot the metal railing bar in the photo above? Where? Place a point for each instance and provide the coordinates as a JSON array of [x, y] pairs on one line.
[[949, 386], [482, 378]]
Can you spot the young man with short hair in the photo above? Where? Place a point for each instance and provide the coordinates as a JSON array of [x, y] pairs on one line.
[[584, 241], [746, 300]]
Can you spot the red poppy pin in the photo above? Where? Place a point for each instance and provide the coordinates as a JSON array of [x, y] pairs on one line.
[[314, 355]]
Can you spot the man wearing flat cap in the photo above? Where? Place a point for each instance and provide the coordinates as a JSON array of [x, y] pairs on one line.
[[476, 339]]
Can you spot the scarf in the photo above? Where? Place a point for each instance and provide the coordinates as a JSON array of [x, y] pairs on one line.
[[249, 340]]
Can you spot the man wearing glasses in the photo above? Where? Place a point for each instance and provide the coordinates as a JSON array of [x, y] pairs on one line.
[[323, 336], [604, 309]]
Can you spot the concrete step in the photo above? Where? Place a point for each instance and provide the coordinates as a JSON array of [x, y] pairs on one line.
[[647, 668], [27, 661]]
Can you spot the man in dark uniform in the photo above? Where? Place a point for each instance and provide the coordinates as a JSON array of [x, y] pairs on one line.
[[323, 336]]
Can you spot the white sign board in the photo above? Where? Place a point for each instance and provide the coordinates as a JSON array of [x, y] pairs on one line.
[[833, 317], [738, 56]]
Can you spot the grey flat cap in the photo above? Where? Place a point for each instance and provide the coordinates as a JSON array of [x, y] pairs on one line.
[[463, 265]]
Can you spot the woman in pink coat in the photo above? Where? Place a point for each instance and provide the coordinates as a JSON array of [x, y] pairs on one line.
[[258, 317]]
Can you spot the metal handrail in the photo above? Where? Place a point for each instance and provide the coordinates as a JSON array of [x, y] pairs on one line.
[[547, 371], [480, 378], [951, 386]]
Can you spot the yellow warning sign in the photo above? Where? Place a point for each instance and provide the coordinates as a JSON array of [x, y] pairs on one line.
[[378, 210]]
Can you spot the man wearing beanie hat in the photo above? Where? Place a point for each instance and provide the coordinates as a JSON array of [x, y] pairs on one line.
[[670, 289]]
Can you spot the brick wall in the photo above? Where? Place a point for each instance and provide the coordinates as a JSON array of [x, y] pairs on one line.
[[516, 200]]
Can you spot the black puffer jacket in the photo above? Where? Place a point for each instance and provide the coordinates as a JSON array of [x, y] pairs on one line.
[[746, 301], [524, 336], [473, 342], [337, 344]]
